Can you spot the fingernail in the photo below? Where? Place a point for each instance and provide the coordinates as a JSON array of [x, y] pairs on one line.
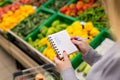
[[71, 38], [64, 51]]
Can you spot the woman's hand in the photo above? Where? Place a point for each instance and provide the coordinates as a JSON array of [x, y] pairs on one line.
[[82, 45], [62, 65]]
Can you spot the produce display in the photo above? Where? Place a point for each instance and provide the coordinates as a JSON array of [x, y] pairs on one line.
[[30, 23], [97, 16], [36, 3], [21, 18], [87, 10], [76, 9], [57, 4], [42, 41], [10, 7], [13, 16], [83, 30], [76, 29]]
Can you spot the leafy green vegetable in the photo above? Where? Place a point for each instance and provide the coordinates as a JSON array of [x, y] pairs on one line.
[[30, 23], [57, 4], [95, 15]]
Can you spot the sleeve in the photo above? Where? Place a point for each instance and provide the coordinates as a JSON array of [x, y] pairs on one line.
[[91, 56], [112, 70], [68, 74]]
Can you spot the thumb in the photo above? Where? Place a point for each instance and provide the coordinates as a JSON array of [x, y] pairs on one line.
[[65, 55], [77, 43]]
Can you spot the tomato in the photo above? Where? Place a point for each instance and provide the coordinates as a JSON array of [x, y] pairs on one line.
[[64, 9], [1, 14], [16, 5], [79, 7], [72, 5], [13, 8], [8, 6], [5, 10], [0, 9], [85, 8], [72, 14], [81, 3]]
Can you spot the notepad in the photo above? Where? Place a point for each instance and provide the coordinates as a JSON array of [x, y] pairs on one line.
[[60, 41]]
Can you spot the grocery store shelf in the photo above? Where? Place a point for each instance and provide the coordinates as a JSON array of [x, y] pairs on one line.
[[15, 52], [27, 47], [7, 65]]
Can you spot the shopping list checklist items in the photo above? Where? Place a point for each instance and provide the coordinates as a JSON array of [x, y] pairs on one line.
[[60, 41]]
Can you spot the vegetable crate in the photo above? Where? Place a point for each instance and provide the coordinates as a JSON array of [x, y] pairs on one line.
[[25, 46], [85, 11], [55, 5], [36, 41], [32, 22], [44, 72], [64, 20], [31, 51], [100, 38]]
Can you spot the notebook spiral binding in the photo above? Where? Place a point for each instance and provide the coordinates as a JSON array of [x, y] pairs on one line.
[[54, 46]]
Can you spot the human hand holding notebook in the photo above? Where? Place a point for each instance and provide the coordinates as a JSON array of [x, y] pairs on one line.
[[60, 42]]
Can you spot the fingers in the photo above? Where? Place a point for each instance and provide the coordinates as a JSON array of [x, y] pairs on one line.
[[65, 56], [76, 42], [57, 61]]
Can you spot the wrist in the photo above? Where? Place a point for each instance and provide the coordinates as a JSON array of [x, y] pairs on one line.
[[65, 68], [84, 52]]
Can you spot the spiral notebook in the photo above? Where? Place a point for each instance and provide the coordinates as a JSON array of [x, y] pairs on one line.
[[60, 42]]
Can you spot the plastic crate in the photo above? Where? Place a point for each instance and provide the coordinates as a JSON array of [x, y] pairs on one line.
[[5, 3], [79, 18], [48, 23], [47, 70], [71, 2], [51, 2], [38, 24], [101, 37], [77, 59]]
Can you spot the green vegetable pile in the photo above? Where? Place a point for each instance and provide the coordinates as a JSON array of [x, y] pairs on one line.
[[95, 15], [57, 4], [30, 23], [56, 26]]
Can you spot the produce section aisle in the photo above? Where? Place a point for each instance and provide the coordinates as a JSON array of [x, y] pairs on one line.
[[26, 24], [7, 65]]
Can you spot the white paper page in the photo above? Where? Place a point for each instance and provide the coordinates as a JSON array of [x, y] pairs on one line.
[[63, 42]]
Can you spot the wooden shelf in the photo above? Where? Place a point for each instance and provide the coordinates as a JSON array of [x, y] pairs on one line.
[[16, 53]]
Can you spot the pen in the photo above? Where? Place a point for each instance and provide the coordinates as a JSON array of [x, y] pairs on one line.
[[79, 39]]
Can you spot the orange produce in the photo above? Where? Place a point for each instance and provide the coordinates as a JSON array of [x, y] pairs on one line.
[[11, 19]]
